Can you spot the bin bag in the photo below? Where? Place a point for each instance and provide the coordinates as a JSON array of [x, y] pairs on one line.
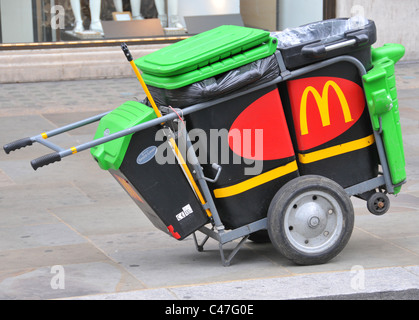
[[240, 79]]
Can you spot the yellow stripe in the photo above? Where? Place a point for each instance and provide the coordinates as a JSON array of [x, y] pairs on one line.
[[256, 181], [74, 150], [44, 135], [336, 150]]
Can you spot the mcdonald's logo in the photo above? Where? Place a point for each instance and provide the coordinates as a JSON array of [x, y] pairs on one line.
[[323, 105], [323, 108]]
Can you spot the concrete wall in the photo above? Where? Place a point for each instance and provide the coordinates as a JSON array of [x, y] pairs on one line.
[[207, 7], [68, 64], [294, 13], [396, 21], [274, 15]]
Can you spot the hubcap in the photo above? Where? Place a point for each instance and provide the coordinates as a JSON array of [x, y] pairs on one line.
[[313, 221]]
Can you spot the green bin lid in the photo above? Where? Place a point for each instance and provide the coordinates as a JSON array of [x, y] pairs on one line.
[[201, 50], [232, 62], [110, 155]]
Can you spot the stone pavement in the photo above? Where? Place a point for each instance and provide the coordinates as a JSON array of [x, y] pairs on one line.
[[70, 223]]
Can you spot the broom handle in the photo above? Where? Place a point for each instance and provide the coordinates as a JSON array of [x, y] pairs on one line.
[[159, 115], [140, 78]]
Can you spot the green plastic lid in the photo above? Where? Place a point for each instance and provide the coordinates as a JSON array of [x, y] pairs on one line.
[[232, 62], [110, 155], [201, 50]]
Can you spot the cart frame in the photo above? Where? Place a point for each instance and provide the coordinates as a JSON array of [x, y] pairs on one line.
[[217, 231]]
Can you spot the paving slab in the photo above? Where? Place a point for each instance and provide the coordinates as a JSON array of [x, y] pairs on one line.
[[336, 285]]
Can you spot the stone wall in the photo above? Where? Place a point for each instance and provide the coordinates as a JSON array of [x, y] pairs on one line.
[[69, 63], [396, 21]]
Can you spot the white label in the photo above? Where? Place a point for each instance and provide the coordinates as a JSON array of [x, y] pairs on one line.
[[186, 211], [146, 155]]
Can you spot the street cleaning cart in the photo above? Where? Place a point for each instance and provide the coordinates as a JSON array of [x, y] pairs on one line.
[[247, 134]]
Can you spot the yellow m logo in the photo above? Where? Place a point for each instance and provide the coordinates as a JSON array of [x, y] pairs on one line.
[[323, 105]]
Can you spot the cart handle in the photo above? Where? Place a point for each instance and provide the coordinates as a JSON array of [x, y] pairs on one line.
[[21, 143], [45, 160], [318, 50], [42, 138]]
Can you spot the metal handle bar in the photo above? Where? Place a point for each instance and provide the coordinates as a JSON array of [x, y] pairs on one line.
[[320, 49], [42, 138], [218, 168]]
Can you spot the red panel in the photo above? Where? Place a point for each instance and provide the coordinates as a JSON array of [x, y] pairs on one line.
[[323, 108], [260, 132], [172, 231]]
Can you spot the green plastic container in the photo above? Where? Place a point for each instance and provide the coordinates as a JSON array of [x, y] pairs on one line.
[[205, 55], [381, 94], [111, 154]]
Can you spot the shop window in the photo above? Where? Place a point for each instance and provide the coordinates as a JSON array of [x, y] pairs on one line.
[[52, 23]]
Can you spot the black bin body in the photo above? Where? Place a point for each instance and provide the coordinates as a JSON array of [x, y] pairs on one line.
[[240, 197], [160, 190]]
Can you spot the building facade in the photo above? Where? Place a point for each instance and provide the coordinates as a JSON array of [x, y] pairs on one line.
[[50, 40]]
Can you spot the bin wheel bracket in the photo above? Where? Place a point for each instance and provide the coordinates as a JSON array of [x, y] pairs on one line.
[[200, 247], [226, 262]]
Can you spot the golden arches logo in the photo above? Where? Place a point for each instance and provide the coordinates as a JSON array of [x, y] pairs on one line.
[[323, 105]]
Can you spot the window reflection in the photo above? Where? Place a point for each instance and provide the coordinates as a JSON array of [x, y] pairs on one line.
[[68, 21], [110, 19]]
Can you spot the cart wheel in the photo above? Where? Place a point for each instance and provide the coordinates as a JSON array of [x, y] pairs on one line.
[[260, 236], [310, 220], [378, 203]]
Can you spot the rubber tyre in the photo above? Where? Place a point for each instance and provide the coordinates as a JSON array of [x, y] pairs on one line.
[[378, 204], [292, 204]]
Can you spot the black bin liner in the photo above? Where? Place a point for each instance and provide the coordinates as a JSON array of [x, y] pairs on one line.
[[240, 79]]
